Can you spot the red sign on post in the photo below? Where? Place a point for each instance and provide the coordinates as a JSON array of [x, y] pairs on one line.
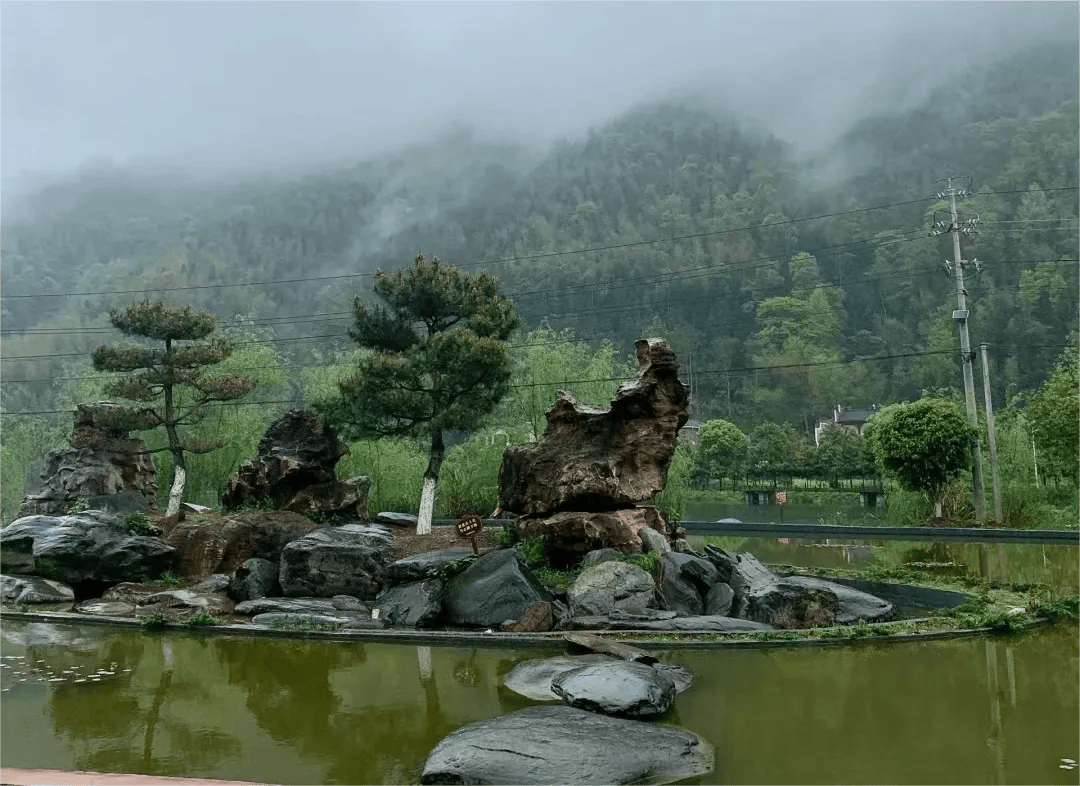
[[469, 527]]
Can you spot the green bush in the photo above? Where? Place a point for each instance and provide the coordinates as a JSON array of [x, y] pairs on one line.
[[534, 550], [138, 523], [202, 620], [172, 581], [155, 621], [79, 506]]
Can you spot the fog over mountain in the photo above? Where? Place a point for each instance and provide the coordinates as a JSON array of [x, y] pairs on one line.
[[216, 87]]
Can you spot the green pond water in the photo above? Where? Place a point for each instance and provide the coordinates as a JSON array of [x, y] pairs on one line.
[[1001, 709]]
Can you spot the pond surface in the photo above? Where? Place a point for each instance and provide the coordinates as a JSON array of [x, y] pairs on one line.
[[845, 510], [973, 710]]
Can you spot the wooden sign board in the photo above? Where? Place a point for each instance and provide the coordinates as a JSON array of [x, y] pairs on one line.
[[469, 527], [781, 498]]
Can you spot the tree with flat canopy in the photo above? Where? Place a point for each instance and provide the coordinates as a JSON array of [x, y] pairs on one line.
[[437, 359], [924, 444], [170, 378]]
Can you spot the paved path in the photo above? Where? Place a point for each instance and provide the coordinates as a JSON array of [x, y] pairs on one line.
[[17, 777]]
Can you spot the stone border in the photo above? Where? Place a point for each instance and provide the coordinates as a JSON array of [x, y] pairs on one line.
[[648, 638]]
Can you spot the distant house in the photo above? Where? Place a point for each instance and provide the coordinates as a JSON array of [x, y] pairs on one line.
[[689, 432], [851, 418]]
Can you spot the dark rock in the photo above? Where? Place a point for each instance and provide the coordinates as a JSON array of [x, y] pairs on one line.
[[619, 688], [411, 605], [17, 543], [619, 649], [596, 458], [420, 566], [17, 590], [255, 578], [784, 603], [718, 600], [347, 560], [222, 545], [103, 466], [545, 745], [495, 588], [686, 580], [572, 534], [396, 519], [218, 582], [287, 606], [366, 623], [852, 604], [560, 615], [88, 551], [536, 619], [294, 470], [182, 603], [106, 608], [682, 545], [743, 573], [649, 615], [611, 586], [599, 555]]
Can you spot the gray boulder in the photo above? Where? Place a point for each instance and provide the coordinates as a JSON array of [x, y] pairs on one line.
[[300, 620], [87, 550], [718, 600], [806, 601], [255, 578], [17, 590], [545, 745], [411, 605], [347, 560], [420, 566], [287, 606], [218, 582], [349, 603], [652, 540], [619, 688], [532, 678], [597, 556], [106, 608], [396, 519], [611, 586], [686, 580], [495, 588], [185, 603]]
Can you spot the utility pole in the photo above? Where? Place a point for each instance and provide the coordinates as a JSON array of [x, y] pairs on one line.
[[991, 435], [960, 315]]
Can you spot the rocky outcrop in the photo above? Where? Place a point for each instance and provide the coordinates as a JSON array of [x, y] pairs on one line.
[[421, 566], [88, 551], [572, 534], [222, 544], [104, 467], [495, 588], [687, 580], [619, 688], [609, 587], [294, 470], [347, 560], [598, 458], [291, 606], [545, 745]]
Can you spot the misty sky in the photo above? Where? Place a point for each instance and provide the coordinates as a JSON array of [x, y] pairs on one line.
[[266, 84]]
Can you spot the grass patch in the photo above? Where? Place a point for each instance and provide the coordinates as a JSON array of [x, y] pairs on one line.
[[156, 621], [138, 523], [172, 581], [202, 620]]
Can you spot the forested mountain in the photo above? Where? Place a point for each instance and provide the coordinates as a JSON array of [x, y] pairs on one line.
[[787, 285]]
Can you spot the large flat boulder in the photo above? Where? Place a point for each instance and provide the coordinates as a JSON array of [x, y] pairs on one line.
[[623, 689], [289, 606], [221, 544], [33, 590], [496, 587], [611, 586], [545, 745], [347, 560], [87, 551], [255, 578], [570, 535], [103, 466], [598, 458], [421, 566], [532, 678]]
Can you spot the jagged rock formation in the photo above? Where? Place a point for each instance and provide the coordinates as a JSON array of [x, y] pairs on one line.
[[294, 470], [600, 458], [103, 467]]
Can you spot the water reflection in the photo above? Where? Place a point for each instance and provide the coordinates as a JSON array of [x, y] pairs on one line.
[[307, 711]]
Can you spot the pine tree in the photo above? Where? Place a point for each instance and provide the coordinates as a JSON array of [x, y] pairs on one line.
[[438, 361], [162, 373]]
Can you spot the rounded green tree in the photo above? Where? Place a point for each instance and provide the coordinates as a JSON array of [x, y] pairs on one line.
[[923, 444], [159, 374], [438, 361], [723, 449]]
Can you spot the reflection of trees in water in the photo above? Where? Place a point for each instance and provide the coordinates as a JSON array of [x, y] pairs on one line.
[[118, 732]]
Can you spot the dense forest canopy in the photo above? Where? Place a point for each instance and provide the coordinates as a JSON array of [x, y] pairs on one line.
[[787, 284]]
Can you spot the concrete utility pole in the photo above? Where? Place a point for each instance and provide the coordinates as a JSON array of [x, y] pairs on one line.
[[991, 435], [960, 315]]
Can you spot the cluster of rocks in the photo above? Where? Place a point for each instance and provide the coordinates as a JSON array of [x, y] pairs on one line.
[[103, 467], [583, 485], [600, 734]]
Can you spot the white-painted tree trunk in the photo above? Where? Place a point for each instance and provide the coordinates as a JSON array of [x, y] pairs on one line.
[[427, 507], [177, 492], [937, 509]]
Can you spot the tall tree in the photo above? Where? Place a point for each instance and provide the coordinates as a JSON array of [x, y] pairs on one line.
[[1053, 415], [722, 449], [162, 375], [438, 360]]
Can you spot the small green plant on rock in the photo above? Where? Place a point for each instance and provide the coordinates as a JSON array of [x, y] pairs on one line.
[[79, 506], [305, 622], [202, 620], [533, 550], [451, 569], [155, 621], [138, 523], [505, 535], [172, 581]]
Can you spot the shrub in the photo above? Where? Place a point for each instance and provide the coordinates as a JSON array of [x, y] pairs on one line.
[[138, 523], [202, 620], [172, 581], [79, 506], [534, 551], [155, 621]]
